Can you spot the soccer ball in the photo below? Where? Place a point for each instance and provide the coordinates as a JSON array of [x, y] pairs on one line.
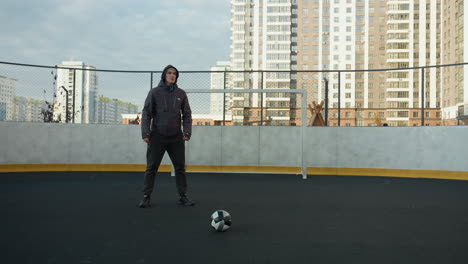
[[221, 220]]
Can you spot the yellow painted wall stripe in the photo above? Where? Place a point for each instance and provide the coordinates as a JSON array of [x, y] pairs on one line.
[[431, 174], [141, 167], [76, 167], [253, 169]]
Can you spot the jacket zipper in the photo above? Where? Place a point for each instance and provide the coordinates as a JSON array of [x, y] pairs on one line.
[[165, 104]]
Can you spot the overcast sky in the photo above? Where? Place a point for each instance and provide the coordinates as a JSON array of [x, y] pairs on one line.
[[116, 34], [136, 35]]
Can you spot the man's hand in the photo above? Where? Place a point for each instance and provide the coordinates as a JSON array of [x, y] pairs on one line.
[[186, 138], [147, 140]]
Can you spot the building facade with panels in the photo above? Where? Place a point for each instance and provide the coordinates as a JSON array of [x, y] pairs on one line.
[[261, 40], [79, 80]]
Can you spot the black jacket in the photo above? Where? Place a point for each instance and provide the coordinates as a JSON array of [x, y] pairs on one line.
[[166, 109]]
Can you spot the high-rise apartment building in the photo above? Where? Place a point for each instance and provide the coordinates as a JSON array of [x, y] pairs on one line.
[[7, 94], [219, 79], [350, 36], [332, 35], [454, 50], [371, 34], [80, 81], [413, 39], [261, 39]]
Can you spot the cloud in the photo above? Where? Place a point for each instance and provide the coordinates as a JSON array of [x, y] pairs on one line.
[[116, 33], [113, 34]]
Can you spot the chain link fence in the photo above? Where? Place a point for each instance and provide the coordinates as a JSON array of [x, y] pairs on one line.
[[389, 97]]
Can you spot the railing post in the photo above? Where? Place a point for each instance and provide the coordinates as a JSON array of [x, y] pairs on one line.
[[224, 99], [74, 94], [339, 98], [261, 99], [151, 81], [422, 96], [303, 131], [326, 100]]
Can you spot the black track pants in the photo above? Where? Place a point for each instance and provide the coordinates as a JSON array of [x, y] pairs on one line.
[[154, 154]]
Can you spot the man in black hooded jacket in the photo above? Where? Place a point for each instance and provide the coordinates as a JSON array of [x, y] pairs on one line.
[[166, 110]]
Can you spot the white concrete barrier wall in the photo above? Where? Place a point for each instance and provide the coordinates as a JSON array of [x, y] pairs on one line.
[[418, 148]]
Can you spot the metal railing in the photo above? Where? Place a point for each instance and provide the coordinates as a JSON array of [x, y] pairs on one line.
[[360, 97]]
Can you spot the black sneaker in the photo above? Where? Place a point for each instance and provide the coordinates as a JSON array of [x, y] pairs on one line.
[[145, 202], [185, 201]]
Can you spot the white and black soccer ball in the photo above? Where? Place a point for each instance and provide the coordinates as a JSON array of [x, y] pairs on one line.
[[221, 220]]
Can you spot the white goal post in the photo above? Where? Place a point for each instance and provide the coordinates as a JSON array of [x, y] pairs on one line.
[[303, 94]]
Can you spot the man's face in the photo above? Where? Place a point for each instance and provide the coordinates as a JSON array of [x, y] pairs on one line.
[[171, 76]]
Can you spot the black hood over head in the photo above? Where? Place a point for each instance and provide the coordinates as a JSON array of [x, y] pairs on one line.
[[163, 75]]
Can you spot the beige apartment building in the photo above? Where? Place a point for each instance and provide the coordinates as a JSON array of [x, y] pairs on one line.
[[371, 34], [350, 36], [454, 50]]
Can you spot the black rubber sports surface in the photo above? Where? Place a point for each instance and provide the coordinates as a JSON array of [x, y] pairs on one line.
[[92, 217]]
